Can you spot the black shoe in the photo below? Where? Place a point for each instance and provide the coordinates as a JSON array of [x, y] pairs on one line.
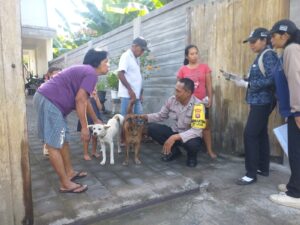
[[191, 162], [263, 173], [171, 156], [242, 181]]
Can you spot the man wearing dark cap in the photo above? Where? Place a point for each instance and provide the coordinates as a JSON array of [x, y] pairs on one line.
[[130, 78]]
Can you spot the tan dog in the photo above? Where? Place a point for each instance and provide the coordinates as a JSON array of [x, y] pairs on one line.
[[133, 132]]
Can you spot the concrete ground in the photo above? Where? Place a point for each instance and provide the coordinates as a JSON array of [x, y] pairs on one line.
[[154, 193]]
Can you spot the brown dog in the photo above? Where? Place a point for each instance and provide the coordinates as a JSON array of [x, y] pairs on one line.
[[133, 132]]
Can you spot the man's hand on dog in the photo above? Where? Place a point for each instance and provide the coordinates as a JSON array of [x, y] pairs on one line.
[[144, 116], [169, 143]]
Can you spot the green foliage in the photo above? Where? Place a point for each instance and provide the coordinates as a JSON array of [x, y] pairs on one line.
[[101, 85], [112, 14], [115, 13], [112, 80], [62, 45], [147, 64], [95, 19]]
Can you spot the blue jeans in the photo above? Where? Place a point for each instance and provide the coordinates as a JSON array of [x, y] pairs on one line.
[[137, 109]]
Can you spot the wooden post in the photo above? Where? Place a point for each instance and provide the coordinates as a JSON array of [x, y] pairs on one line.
[[15, 181]]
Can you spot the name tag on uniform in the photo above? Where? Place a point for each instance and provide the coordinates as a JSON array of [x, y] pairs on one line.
[[198, 116]]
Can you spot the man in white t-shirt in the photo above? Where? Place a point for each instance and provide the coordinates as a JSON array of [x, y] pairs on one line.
[[130, 78]]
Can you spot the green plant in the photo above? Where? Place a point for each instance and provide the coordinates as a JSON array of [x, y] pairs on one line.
[[101, 85], [112, 80], [147, 64]]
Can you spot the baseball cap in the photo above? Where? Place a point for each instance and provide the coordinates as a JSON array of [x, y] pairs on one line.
[[140, 41], [256, 34], [284, 26]]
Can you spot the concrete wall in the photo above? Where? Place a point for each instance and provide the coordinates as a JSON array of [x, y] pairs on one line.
[[294, 11], [15, 184], [39, 51], [34, 13], [36, 34]]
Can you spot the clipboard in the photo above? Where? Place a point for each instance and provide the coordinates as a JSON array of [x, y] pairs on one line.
[[281, 135], [231, 76]]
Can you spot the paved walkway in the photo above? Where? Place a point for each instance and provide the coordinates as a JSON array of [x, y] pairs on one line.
[[115, 189]]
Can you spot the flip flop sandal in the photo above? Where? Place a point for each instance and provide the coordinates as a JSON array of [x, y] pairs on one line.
[[79, 175], [96, 156], [75, 190]]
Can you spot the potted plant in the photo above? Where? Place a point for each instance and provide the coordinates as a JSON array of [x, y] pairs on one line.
[[112, 80], [101, 91]]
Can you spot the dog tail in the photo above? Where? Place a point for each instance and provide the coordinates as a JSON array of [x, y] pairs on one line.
[[119, 118]]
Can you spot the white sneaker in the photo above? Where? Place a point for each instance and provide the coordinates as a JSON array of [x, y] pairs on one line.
[[45, 151], [282, 188], [285, 200]]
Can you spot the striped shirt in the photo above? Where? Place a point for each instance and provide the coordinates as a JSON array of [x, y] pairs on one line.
[[181, 114]]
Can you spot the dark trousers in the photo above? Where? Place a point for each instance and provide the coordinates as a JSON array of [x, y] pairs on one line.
[[256, 140], [293, 185], [161, 133]]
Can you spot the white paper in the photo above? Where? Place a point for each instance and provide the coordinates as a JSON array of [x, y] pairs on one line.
[[281, 135]]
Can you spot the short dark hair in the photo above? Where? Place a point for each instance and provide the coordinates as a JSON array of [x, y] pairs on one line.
[[53, 68], [94, 57], [188, 84]]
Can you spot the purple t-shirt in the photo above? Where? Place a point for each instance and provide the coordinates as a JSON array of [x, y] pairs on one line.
[[62, 89]]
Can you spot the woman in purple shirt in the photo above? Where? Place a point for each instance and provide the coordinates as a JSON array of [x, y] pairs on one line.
[[54, 100]]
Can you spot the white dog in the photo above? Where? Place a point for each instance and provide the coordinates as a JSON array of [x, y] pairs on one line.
[[106, 134]]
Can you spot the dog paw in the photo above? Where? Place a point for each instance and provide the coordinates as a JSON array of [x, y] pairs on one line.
[[112, 162], [102, 163], [125, 163]]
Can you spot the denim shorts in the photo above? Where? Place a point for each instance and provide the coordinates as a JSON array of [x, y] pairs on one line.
[[138, 107], [52, 125]]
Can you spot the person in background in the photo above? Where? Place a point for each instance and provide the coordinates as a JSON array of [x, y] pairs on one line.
[[97, 107], [54, 100], [201, 75], [130, 78], [260, 96], [286, 35], [52, 71], [179, 108]]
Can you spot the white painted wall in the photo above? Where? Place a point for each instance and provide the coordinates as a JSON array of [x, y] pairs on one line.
[[294, 11], [34, 13], [42, 60]]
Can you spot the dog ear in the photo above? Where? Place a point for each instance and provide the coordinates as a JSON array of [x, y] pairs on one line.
[[106, 126], [90, 126]]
